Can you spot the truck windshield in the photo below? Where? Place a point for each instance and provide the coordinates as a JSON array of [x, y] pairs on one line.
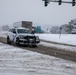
[[23, 31]]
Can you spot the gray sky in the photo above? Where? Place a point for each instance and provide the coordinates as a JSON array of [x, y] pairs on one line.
[[33, 10]]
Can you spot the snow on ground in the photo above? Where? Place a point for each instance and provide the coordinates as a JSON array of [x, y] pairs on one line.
[[3, 34], [61, 47], [65, 38], [16, 61]]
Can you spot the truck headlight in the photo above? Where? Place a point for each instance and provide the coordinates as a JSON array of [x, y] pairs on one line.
[[37, 38], [21, 37]]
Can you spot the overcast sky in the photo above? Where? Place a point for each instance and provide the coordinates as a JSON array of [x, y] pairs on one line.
[[33, 10]]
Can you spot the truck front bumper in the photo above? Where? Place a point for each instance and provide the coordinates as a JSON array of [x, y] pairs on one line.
[[30, 41]]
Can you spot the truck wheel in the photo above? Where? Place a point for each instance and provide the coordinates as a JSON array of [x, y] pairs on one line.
[[34, 45], [8, 40], [17, 42]]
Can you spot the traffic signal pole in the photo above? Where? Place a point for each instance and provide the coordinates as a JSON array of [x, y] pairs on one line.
[[46, 3], [73, 2], [60, 2]]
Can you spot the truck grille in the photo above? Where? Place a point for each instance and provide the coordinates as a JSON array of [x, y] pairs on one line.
[[29, 37]]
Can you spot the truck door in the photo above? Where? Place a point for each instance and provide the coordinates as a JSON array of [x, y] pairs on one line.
[[13, 34]]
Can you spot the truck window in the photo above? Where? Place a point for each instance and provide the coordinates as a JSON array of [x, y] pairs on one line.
[[23, 31], [14, 30]]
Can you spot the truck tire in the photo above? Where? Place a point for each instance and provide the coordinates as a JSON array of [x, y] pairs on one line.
[[17, 42], [8, 40], [34, 45]]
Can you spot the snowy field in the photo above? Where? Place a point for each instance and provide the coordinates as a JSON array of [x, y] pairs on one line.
[[16, 61], [64, 38]]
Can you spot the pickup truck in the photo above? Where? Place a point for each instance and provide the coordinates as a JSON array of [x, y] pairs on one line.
[[22, 36]]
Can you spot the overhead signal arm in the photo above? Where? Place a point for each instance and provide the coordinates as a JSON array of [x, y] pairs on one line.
[[73, 2]]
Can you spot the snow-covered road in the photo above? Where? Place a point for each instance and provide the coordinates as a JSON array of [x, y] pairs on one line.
[[16, 61]]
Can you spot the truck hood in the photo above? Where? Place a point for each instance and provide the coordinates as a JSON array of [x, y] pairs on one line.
[[26, 34]]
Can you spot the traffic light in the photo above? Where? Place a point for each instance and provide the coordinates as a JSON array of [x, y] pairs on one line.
[[73, 2], [46, 3], [60, 2]]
